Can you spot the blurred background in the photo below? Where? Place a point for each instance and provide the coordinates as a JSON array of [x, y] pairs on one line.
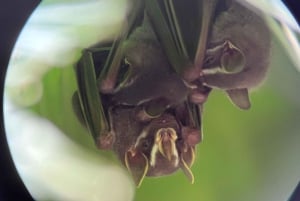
[[245, 155]]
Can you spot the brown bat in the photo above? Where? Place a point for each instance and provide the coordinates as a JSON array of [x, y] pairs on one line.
[[146, 117], [156, 147], [152, 126]]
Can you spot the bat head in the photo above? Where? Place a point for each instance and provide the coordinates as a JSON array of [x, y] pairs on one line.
[[161, 148]]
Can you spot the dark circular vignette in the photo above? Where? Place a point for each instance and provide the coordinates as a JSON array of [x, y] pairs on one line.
[[13, 15], [294, 7]]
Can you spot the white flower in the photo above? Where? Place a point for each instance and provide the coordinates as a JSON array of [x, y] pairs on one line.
[[52, 166]]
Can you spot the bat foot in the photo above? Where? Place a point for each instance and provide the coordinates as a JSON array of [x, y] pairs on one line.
[[197, 97], [106, 141], [191, 136], [191, 73], [107, 86]]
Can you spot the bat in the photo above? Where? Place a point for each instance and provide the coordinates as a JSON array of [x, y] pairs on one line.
[[238, 53], [142, 96]]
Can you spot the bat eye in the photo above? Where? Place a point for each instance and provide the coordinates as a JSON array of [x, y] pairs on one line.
[[146, 145], [209, 60]]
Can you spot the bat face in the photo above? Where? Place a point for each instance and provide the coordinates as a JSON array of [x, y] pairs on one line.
[[157, 147]]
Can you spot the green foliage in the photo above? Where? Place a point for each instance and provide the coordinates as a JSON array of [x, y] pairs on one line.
[[242, 151]]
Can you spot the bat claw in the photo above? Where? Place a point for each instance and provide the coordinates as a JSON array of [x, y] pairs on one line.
[[197, 97], [106, 141], [191, 136], [107, 86], [191, 73]]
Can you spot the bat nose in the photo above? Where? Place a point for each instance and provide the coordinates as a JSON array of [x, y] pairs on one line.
[[165, 140], [165, 144]]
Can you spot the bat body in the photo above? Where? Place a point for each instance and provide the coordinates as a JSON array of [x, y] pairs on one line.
[[137, 105], [151, 75], [240, 40], [152, 127], [249, 33]]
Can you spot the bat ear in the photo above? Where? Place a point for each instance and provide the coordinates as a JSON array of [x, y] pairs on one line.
[[186, 160], [233, 60], [137, 164], [240, 97]]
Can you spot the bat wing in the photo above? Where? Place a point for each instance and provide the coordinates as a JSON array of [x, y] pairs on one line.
[[240, 98]]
